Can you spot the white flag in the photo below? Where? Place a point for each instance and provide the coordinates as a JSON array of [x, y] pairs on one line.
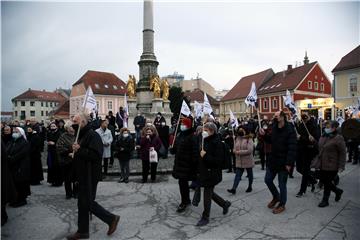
[[185, 110], [126, 112], [233, 120], [90, 101], [289, 103], [252, 97], [207, 107], [198, 109]]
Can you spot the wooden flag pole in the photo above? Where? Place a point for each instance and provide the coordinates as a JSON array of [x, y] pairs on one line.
[[176, 129]]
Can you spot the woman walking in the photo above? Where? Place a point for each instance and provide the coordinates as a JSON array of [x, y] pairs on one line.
[[243, 150]]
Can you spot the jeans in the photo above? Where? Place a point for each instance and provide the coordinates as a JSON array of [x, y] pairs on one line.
[[239, 173], [184, 191], [282, 179], [327, 177], [124, 169], [146, 166], [209, 195]]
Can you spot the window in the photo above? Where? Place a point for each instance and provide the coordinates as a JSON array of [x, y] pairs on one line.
[[32, 113], [15, 113], [265, 104], [51, 104], [42, 104], [32, 104], [97, 105], [46, 104], [321, 87], [316, 86], [97, 86], [275, 103], [106, 86], [110, 105], [15, 103], [115, 87], [22, 115], [22, 103], [42, 113], [309, 85], [47, 113], [353, 83]]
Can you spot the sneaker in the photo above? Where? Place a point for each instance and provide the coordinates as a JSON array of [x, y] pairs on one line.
[[121, 180], [338, 195], [323, 203], [249, 189], [181, 208], [226, 207], [300, 194], [233, 191], [278, 209], [273, 202], [202, 222]]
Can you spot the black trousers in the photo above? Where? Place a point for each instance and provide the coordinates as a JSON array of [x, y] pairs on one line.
[[70, 180], [184, 191], [353, 151], [106, 164], [146, 166], [87, 205], [209, 195], [327, 178]]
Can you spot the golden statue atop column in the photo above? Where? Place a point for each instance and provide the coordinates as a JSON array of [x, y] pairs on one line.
[[131, 86]]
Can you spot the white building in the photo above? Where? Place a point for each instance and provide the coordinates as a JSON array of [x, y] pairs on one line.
[[35, 104]]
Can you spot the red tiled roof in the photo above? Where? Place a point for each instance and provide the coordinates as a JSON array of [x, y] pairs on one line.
[[288, 79], [349, 61], [242, 87], [198, 95], [40, 95], [103, 83], [63, 109]]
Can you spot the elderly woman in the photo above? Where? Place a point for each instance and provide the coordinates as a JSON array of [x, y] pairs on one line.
[[107, 139], [124, 146], [210, 171], [149, 141], [19, 164], [243, 150], [65, 156], [331, 159]]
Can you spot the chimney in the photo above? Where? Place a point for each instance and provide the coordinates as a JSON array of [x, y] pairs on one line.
[[289, 68]]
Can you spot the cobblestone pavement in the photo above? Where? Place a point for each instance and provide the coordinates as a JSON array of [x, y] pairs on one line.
[[148, 211]]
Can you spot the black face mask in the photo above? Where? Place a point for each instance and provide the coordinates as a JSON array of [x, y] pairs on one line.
[[75, 127]]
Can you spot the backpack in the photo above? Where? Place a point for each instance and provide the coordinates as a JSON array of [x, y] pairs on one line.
[[226, 159]]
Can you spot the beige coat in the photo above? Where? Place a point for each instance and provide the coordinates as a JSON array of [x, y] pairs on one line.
[[243, 150]]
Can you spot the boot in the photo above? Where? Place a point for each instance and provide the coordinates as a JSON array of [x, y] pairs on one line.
[[249, 189], [233, 191], [338, 194], [323, 203]]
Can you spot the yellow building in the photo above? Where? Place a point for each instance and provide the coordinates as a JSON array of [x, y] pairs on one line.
[[347, 81]]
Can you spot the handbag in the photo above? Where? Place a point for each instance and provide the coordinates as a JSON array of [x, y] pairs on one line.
[[153, 156]]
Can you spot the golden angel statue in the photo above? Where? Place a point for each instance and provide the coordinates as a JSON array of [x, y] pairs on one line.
[[131, 86], [165, 89], [155, 86]]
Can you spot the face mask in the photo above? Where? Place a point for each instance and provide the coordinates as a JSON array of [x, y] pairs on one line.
[[16, 135], [265, 127], [328, 130], [125, 135], [183, 128], [148, 124], [162, 124], [158, 116], [205, 134], [75, 127], [245, 123]]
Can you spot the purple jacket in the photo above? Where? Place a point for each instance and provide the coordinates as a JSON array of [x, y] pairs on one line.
[[145, 145]]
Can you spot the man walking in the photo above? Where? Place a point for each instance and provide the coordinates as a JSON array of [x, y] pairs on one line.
[[88, 156], [281, 159]]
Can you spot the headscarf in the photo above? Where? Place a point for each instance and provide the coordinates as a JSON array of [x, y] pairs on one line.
[[22, 132]]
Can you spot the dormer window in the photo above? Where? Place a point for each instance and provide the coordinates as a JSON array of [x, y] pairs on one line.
[[106, 86], [115, 87], [97, 86]]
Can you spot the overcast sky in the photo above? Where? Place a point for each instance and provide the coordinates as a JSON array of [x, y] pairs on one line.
[[48, 45]]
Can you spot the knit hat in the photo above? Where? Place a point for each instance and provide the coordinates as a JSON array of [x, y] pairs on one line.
[[187, 122]]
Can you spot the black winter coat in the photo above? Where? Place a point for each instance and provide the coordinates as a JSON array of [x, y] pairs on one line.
[[124, 148], [283, 147], [36, 145], [186, 156], [19, 161], [210, 166], [89, 155]]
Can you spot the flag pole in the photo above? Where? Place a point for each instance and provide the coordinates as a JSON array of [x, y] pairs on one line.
[[176, 129]]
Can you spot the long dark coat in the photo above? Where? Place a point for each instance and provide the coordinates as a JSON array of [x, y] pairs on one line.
[[124, 148], [145, 145], [19, 160], [36, 145], [54, 169]]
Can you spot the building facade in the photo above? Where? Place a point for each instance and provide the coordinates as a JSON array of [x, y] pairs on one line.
[[36, 105], [108, 89], [198, 95], [347, 81]]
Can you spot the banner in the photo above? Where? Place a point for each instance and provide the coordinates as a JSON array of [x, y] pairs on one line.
[[126, 112], [198, 109], [251, 99], [233, 120], [207, 109], [90, 101], [185, 110], [289, 103]]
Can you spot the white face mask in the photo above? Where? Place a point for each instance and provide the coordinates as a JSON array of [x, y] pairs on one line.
[[163, 124], [205, 134], [125, 135], [16, 135], [183, 128]]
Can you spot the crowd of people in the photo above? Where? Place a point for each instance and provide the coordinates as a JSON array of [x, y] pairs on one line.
[[80, 152]]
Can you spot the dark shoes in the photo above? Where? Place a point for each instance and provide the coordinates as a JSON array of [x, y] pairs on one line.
[[77, 235], [300, 194], [202, 222], [323, 203], [233, 191], [113, 225], [121, 180], [249, 189], [68, 197], [126, 180], [273, 202], [338, 195], [278, 209], [226, 207], [181, 208]]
